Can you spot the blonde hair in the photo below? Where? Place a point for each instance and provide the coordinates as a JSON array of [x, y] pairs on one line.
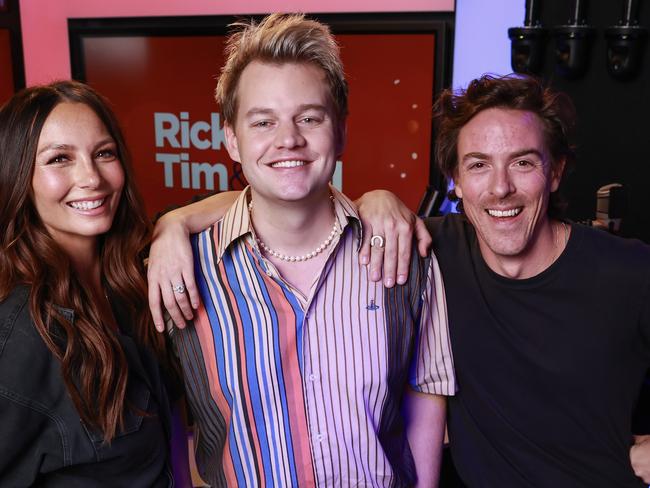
[[281, 38]]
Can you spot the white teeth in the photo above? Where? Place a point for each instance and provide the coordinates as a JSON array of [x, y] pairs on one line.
[[87, 204], [504, 213], [287, 164]]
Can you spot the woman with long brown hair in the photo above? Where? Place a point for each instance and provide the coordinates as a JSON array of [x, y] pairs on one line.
[[82, 401]]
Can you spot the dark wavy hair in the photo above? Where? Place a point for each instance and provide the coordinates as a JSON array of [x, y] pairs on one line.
[[93, 363], [556, 111]]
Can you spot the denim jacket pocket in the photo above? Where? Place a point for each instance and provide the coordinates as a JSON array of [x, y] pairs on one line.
[[136, 405]]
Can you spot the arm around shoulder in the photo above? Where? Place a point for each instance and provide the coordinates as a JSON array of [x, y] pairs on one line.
[[170, 261], [383, 214], [200, 215]]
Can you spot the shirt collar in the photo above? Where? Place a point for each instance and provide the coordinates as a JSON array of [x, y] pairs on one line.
[[236, 222]]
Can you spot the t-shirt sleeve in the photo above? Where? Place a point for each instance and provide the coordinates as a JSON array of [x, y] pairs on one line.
[[432, 369]]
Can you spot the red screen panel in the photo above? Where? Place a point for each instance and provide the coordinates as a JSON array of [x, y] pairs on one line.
[[6, 67], [162, 91]]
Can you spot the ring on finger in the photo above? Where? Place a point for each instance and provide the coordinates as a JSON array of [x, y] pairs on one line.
[[377, 241], [179, 288]]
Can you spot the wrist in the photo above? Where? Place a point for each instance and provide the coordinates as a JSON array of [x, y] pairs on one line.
[[174, 220], [373, 194]]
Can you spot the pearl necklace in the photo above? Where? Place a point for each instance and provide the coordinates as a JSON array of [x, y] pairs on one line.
[[294, 259]]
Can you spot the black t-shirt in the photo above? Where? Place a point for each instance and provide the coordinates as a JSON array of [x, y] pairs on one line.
[[641, 419], [549, 367]]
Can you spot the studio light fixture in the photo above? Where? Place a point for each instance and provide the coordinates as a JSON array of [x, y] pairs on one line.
[[625, 43], [573, 43], [527, 42]]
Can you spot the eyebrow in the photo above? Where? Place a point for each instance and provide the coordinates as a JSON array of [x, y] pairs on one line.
[[517, 154], [301, 108], [312, 106], [55, 146]]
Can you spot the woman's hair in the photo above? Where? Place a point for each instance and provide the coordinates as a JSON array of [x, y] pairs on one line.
[[93, 363]]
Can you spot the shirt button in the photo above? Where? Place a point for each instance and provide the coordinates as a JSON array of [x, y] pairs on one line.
[[321, 437], [269, 272], [313, 377]]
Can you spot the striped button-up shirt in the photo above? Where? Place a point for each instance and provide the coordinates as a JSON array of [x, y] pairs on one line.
[[288, 390]]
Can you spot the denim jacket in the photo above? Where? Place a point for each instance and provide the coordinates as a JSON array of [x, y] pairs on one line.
[[43, 441]]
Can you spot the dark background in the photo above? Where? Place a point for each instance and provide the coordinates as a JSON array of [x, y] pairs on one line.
[[613, 131]]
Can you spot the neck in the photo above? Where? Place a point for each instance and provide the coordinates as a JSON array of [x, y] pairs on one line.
[[547, 245], [292, 227]]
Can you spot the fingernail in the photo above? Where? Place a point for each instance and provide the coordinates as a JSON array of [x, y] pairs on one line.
[[374, 276], [388, 282], [195, 306], [363, 259], [401, 279]]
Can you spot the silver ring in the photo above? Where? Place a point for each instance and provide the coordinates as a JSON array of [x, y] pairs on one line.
[[377, 241], [180, 288]]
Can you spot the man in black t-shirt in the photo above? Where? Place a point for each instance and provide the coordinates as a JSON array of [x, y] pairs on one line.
[[550, 321]]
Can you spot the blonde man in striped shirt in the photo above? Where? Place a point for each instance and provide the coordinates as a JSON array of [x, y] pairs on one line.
[[301, 371]]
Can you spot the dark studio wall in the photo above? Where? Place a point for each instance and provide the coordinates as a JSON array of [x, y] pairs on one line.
[[613, 131]]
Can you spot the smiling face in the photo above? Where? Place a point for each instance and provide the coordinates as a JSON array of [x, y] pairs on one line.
[[78, 177], [286, 134], [504, 177]]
